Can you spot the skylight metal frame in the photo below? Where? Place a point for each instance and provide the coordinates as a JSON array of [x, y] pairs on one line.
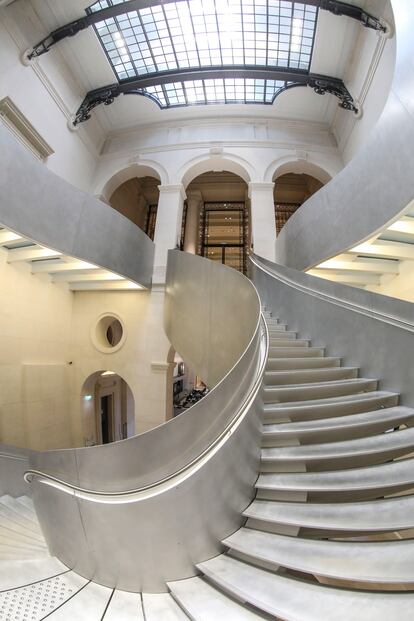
[[173, 36], [319, 83], [267, 71], [71, 29]]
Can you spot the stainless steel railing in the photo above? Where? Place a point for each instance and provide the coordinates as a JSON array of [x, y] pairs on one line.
[[188, 479], [370, 331]]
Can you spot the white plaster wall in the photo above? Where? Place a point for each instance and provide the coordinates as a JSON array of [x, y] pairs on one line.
[[252, 149], [43, 327], [35, 318], [46, 94], [368, 79], [141, 361], [400, 286]]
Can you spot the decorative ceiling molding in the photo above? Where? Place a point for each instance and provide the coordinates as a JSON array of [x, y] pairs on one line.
[[321, 85]]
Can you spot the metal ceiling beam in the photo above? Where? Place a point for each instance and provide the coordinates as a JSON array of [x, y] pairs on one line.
[[349, 10], [73, 28], [321, 84], [91, 18]]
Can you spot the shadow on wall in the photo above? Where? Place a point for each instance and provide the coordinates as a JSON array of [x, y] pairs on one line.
[[107, 409], [137, 199], [291, 191]]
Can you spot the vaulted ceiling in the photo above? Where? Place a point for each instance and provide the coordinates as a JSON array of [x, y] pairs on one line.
[[335, 40]]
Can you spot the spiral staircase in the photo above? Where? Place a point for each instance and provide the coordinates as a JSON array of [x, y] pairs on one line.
[[328, 535], [287, 492]]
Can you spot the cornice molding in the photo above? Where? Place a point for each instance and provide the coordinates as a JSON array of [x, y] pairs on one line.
[[21, 46], [224, 120], [282, 146]]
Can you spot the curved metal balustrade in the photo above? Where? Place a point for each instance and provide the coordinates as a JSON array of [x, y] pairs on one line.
[[375, 187], [143, 511], [368, 329], [41, 206]]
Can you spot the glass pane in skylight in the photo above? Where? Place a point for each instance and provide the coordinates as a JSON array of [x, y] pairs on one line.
[[208, 33], [225, 91]]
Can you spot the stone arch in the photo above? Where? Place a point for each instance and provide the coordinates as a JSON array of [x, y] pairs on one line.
[[142, 169], [100, 384], [307, 166], [216, 162]]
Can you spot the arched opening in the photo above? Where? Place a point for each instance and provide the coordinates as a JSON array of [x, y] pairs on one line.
[[137, 199], [291, 191], [216, 219], [107, 409]]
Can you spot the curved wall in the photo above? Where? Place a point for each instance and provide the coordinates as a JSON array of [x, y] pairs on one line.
[[43, 207], [172, 493], [210, 333], [367, 330], [375, 186]]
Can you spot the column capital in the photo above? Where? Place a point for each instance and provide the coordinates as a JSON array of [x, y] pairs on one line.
[[195, 195], [173, 189], [260, 187]]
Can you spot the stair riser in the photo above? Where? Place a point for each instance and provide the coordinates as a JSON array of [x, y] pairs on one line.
[[276, 344], [327, 411], [315, 437], [283, 353], [332, 462], [275, 337], [280, 378], [11, 529], [292, 364], [330, 496], [284, 395]]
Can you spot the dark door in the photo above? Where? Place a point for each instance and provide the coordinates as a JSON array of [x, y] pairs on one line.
[[106, 419]]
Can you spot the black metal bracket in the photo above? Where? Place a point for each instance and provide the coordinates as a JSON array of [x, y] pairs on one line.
[[69, 30], [93, 17], [321, 85], [105, 96], [355, 12]]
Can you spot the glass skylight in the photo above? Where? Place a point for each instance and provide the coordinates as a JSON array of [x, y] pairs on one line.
[[194, 92], [195, 34]]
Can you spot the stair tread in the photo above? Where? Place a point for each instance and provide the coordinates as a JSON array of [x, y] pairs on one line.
[[88, 604], [340, 382], [377, 562], [204, 602], [333, 370], [20, 513], [328, 401], [16, 529], [7, 537], [373, 516], [14, 574], [289, 352], [281, 596], [385, 442], [294, 377], [299, 364], [286, 343], [162, 606], [395, 474], [124, 606], [388, 415]]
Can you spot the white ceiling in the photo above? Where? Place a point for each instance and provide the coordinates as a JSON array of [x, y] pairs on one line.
[[334, 43]]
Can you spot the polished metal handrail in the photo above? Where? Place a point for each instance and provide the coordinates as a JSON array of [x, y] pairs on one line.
[[337, 301], [69, 487]]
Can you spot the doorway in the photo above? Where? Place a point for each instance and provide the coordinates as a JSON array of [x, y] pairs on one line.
[[107, 418], [225, 234], [107, 409]]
